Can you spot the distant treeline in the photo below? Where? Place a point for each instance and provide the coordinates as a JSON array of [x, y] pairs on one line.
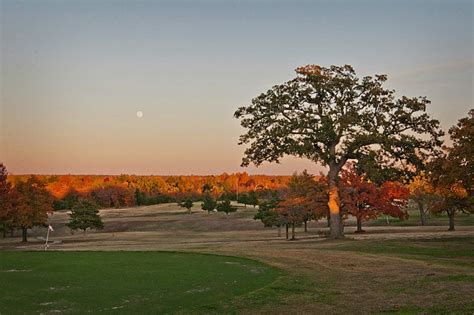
[[131, 190]]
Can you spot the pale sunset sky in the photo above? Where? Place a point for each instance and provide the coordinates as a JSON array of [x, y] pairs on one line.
[[74, 74]]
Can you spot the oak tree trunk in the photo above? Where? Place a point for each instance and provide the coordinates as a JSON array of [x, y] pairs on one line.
[[451, 220], [336, 227], [292, 231], [24, 235], [306, 226], [286, 226], [359, 225]]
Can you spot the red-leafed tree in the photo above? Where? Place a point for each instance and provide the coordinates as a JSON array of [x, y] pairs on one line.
[[364, 200], [393, 198], [293, 211], [358, 197]]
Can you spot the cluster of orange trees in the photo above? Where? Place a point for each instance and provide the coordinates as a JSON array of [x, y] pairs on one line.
[[306, 199], [131, 190], [25, 200]]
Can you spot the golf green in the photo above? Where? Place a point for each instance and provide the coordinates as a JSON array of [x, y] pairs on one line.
[[124, 282]]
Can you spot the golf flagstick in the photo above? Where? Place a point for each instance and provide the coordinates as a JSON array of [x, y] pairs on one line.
[[50, 228]]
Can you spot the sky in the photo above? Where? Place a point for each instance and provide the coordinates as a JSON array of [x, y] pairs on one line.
[[74, 74]]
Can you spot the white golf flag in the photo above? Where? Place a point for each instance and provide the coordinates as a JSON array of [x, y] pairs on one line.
[[50, 228]]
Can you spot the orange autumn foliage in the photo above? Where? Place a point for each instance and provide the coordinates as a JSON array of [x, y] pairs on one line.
[[365, 200], [120, 190]]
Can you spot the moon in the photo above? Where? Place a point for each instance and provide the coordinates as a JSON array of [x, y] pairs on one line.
[[139, 114]]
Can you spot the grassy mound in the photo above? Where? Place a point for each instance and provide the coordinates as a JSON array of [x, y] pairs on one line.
[[124, 282]]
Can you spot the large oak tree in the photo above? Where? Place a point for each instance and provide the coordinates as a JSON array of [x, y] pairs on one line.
[[330, 116]]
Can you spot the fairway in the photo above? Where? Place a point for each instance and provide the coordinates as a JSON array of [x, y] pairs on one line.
[[124, 282]]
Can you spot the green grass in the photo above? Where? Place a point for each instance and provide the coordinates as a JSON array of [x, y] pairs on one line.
[[125, 282]]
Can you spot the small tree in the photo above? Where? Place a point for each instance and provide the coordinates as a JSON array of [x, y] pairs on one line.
[[393, 199], [225, 206], [208, 203], [186, 203], [244, 199], [33, 203], [252, 198], [314, 194], [292, 212], [267, 214], [140, 197], [422, 193], [452, 174], [85, 215], [364, 200]]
